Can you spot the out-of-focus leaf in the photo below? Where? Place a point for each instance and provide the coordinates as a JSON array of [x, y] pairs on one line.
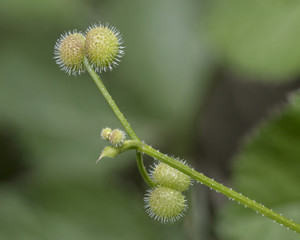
[[258, 38], [267, 170], [77, 211]]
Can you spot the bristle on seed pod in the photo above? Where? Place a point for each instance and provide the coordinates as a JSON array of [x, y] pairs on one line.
[[69, 52], [167, 176], [105, 134], [117, 137], [165, 204], [103, 47]]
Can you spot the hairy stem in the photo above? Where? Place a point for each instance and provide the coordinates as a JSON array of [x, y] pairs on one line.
[[212, 184], [231, 194]]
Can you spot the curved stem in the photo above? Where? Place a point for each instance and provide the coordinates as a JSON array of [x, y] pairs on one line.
[[122, 119], [143, 170]]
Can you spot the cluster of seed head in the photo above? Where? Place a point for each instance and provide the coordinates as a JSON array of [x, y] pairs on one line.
[[116, 137], [166, 202], [101, 44]]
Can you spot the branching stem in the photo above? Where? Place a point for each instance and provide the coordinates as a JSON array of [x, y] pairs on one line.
[[144, 148], [122, 119]]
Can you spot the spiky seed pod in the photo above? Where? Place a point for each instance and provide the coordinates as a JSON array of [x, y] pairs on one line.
[[165, 204], [69, 52], [105, 134], [103, 47], [117, 137], [167, 176]]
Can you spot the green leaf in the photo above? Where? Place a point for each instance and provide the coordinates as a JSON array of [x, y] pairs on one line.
[[267, 170], [257, 38]]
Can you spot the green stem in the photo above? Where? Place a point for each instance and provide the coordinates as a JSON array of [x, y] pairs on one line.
[[144, 148], [122, 119], [143, 171], [231, 194], [109, 99]]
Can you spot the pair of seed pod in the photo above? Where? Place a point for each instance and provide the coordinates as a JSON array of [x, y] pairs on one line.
[[101, 44], [166, 203], [116, 137]]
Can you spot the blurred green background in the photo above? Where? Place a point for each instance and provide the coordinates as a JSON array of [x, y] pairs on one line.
[[197, 79]]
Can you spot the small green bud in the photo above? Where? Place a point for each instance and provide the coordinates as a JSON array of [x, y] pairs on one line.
[[109, 152], [105, 134], [117, 137], [165, 204], [167, 176], [103, 47], [69, 52]]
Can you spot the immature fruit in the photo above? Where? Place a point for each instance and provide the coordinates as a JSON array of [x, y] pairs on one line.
[[69, 52], [167, 176], [117, 137], [105, 134], [103, 47], [165, 204]]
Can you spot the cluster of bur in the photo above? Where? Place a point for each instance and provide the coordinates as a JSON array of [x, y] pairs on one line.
[[116, 137], [101, 45], [165, 202]]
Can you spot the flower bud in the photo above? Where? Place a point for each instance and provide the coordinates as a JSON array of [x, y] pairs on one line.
[[165, 204], [105, 134], [69, 52], [103, 47], [117, 137], [108, 152], [167, 176]]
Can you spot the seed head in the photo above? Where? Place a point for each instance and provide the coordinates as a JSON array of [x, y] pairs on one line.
[[165, 204], [105, 134], [103, 47], [117, 137], [167, 176], [69, 52]]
